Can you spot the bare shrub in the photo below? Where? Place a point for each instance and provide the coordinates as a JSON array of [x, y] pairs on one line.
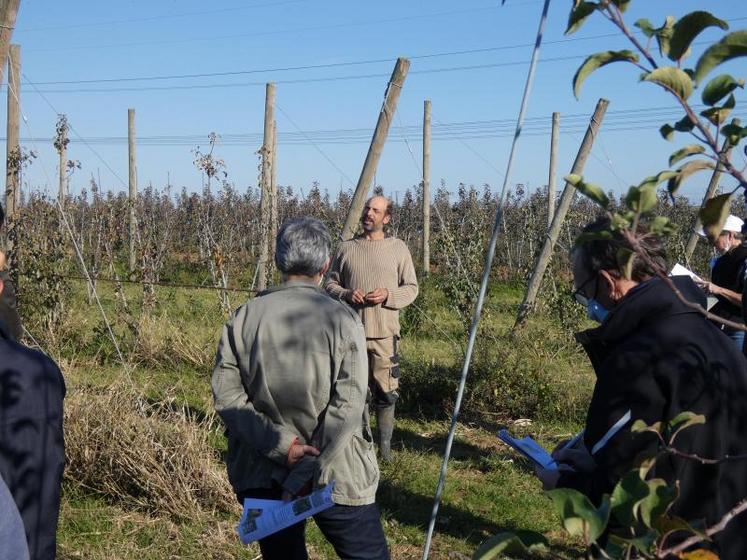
[[154, 457]]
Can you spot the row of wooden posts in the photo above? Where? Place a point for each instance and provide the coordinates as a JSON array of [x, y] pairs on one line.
[[268, 182]]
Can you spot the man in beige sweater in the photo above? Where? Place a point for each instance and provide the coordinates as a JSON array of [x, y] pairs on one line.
[[374, 273]]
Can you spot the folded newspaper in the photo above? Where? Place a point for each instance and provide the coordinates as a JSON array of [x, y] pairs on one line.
[[262, 518]]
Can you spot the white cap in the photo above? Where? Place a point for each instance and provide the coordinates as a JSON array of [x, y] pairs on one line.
[[732, 224]]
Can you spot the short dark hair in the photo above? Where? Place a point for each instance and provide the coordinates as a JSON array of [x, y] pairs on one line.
[[601, 253]]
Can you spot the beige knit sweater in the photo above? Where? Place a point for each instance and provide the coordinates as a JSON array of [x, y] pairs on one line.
[[366, 265]]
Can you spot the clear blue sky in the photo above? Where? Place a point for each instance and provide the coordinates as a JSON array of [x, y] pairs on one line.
[[83, 41]]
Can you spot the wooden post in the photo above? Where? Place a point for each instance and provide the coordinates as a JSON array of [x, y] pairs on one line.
[[565, 203], [12, 147], [394, 88], [426, 186], [692, 241], [265, 201], [553, 168], [8, 13], [273, 200], [132, 201], [63, 166]]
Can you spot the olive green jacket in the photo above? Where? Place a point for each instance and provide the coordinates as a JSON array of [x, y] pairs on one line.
[[292, 364]]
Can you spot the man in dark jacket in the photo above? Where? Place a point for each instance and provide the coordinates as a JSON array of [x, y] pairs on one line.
[[32, 454], [655, 357]]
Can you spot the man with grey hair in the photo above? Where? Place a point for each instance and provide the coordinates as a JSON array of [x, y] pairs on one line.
[[290, 385]]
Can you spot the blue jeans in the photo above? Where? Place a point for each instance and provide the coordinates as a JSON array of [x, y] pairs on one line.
[[355, 532], [736, 335]]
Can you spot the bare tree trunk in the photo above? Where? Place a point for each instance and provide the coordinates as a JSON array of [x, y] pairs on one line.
[[265, 201], [427, 187], [273, 201], [394, 88], [565, 202]]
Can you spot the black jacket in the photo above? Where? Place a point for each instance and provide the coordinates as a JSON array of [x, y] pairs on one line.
[[654, 357], [32, 454], [8, 307]]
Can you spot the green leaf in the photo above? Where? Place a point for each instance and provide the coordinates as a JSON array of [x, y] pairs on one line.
[[734, 132], [579, 13], [713, 215], [597, 61], [519, 543], [719, 87], [642, 199], [684, 124], [657, 179], [684, 172], [646, 27], [661, 225], [718, 115], [622, 5], [664, 35], [625, 258], [731, 46], [660, 497], [673, 79], [687, 28], [626, 497], [578, 515], [590, 190], [640, 426], [683, 420], [682, 153], [667, 132], [665, 524]]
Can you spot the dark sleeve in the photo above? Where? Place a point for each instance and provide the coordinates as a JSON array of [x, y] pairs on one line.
[[626, 391], [9, 308]]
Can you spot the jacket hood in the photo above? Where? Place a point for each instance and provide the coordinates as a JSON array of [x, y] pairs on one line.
[[650, 301]]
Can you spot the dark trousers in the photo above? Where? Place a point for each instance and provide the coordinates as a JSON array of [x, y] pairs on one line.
[[355, 532]]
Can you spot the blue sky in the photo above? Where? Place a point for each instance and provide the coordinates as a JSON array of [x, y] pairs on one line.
[[85, 41]]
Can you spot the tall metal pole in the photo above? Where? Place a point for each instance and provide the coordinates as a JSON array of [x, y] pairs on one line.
[[12, 146], [266, 194], [132, 200], [553, 168], [426, 186], [484, 283], [565, 203], [393, 89]]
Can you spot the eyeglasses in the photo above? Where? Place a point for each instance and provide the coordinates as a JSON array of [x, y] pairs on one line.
[[580, 295]]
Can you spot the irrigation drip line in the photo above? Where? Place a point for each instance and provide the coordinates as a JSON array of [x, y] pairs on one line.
[[485, 279]]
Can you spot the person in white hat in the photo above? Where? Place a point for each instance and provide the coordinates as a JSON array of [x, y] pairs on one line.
[[727, 276]]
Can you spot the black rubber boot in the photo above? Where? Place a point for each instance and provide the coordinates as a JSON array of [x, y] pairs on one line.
[[385, 427]]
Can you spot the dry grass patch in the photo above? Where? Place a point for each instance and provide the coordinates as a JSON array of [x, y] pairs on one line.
[[154, 457]]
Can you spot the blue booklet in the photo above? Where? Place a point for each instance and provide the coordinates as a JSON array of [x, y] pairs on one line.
[[529, 449]]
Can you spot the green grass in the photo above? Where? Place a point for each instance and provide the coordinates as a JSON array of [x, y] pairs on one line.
[[538, 374]]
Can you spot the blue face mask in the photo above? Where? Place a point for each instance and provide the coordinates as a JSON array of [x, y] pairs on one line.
[[596, 311]]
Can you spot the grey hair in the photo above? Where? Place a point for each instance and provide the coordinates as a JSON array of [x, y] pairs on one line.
[[302, 247]]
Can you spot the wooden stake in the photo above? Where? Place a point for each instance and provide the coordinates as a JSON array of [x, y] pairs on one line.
[[132, 201], [426, 186], [8, 13], [12, 146], [692, 241], [63, 168], [273, 200], [565, 203], [391, 96], [265, 201], [553, 168]]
